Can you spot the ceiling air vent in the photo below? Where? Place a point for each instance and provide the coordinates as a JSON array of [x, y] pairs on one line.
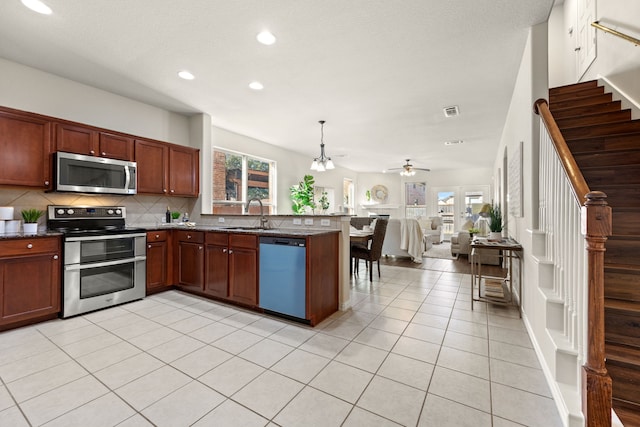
[[452, 111]]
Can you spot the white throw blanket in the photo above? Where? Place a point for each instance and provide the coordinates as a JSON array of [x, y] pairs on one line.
[[411, 238]]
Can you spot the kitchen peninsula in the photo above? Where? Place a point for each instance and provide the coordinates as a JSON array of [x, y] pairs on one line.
[[223, 263]]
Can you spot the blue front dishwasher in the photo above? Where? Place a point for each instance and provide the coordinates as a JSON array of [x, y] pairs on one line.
[[283, 276]]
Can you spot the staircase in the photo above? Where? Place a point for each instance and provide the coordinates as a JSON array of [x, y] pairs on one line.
[[605, 143]]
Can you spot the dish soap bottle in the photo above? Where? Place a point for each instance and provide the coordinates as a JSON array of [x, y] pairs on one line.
[[167, 216], [185, 218]]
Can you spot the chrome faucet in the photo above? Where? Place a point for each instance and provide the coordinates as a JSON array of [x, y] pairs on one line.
[[263, 218]]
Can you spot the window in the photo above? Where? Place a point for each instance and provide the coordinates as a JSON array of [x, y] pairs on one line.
[[415, 199], [238, 178]]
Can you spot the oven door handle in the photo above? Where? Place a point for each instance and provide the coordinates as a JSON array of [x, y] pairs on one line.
[[104, 264], [104, 237]]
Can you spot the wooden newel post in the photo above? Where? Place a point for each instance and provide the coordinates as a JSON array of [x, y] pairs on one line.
[[596, 382]]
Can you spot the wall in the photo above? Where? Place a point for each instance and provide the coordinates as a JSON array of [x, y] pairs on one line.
[[451, 179], [291, 167], [617, 60], [28, 89]]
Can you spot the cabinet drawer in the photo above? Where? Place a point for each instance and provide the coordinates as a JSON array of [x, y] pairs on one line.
[[190, 236], [220, 239], [248, 241], [156, 236], [29, 246]]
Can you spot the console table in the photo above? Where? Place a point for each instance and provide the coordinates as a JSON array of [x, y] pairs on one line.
[[496, 290]]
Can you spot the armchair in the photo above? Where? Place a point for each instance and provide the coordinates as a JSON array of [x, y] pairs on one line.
[[435, 231], [461, 243]]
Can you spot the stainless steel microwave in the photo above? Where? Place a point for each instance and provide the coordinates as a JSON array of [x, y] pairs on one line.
[[88, 174]]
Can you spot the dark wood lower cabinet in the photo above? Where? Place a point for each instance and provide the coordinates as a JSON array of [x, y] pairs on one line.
[[225, 266], [158, 261], [190, 259], [231, 267], [29, 280]]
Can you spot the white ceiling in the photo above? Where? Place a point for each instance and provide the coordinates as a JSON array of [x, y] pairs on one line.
[[379, 72]]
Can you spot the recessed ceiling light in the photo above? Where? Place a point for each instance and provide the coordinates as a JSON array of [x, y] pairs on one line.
[[456, 142], [37, 6], [184, 74], [256, 86], [266, 38]]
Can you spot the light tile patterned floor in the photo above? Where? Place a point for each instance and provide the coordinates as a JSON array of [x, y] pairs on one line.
[[410, 352]]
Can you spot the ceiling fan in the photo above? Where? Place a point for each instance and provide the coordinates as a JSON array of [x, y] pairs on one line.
[[408, 169]]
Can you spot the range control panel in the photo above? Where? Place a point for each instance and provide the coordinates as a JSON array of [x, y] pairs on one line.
[[86, 212]]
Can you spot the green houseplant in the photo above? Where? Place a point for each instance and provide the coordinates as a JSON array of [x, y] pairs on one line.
[[495, 215], [30, 217], [302, 195]]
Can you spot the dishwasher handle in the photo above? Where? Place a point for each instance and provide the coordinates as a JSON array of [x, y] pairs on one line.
[[283, 241]]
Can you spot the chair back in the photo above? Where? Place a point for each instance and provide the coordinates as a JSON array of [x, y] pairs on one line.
[[360, 221], [378, 239]]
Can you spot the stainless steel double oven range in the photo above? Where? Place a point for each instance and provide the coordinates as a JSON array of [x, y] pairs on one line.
[[104, 261]]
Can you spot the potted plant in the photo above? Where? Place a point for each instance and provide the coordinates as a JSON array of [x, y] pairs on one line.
[[175, 216], [30, 217], [302, 196], [473, 231], [495, 215]]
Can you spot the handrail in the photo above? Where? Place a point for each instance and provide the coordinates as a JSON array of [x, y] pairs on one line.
[[596, 227], [579, 186], [601, 27]]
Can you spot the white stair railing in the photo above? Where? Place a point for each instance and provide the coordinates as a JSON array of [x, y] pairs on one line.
[[560, 220]]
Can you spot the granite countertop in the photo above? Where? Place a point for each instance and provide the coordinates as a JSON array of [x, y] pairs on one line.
[[21, 235], [295, 232]]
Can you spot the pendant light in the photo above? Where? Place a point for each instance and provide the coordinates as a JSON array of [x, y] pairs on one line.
[[323, 162]]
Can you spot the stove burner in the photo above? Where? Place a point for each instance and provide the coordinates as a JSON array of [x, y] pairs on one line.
[[89, 221]]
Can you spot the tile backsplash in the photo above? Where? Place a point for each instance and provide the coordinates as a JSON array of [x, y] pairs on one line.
[[142, 210]]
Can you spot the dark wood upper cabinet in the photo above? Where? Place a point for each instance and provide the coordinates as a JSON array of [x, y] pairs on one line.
[[26, 145], [77, 139], [152, 159], [167, 168], [184, 171], [116, 146]]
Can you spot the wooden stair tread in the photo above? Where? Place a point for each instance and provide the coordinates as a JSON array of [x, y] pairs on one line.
[[621, 305], [628, 412], [594, 119], [628, 141], [589, 100], [573, 87], [621, 267], [608, 129], [579, 93], [622, 353], [563, 113]]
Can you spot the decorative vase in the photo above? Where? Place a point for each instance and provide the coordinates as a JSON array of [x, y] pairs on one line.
[[495, 235], [30, 228]]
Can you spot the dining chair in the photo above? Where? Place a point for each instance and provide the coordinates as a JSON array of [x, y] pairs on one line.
[[374, 251]]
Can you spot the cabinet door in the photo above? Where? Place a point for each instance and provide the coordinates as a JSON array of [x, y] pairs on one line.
[[191, 264], [152, 160], [30, 287], [216, 271], [243, 278], [184, 171], [25, 147], [116, 146], [157, 256], [76, 139]]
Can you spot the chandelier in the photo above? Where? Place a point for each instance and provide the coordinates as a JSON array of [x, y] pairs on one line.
[[323, 162]]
